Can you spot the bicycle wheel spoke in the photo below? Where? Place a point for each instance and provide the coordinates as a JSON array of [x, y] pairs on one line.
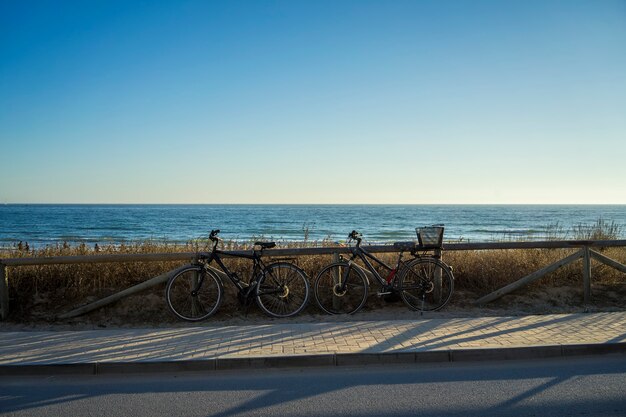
[[200, 307], [291, 279], [425, 284], [413, 297], [335, 298], [193, 294], [283, 290]]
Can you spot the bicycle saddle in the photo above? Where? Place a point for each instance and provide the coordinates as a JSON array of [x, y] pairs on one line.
[[265, 245], [404, 246]]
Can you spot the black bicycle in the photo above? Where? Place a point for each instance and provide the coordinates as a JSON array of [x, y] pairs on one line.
[[424, 282], [195, 292]]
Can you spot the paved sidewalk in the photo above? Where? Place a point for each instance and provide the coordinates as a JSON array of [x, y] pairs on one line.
[[324, 341]]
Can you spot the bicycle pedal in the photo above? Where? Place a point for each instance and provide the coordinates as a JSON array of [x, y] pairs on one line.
[[380, 294]]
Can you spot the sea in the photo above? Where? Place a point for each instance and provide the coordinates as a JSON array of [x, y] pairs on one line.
[[53, 224]]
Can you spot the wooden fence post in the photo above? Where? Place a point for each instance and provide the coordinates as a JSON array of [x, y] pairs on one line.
[[4, 291], [586, 275]]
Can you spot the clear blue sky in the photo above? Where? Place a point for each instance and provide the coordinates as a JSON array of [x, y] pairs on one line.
[[313, 102]]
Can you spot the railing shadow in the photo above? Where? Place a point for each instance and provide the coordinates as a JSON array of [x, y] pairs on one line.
[[171, 344], [199, 343]]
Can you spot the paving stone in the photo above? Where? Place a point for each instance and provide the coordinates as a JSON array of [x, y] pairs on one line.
[[135, 345]]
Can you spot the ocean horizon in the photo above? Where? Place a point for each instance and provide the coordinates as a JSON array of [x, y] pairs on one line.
[[43, 224]]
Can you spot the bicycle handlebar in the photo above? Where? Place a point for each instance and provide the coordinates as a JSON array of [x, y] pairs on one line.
[[354, 235], [213, 235]]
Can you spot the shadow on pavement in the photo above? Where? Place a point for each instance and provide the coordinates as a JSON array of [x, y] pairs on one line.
[[260, 392]]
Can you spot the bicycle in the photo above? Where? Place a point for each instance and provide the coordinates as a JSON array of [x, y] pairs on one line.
[[195, 292], [424, 283]]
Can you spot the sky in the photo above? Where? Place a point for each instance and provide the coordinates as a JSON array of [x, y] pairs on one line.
[[384, 102]]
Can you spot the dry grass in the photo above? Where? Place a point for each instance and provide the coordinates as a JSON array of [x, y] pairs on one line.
[[486, 271], [40, 292]]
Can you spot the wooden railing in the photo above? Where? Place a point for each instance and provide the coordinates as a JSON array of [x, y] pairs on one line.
[[584, 251]]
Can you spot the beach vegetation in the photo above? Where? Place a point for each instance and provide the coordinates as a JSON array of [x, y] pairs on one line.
[[43, 292]]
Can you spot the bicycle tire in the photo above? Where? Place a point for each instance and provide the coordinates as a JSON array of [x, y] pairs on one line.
[[418, 284], [328, 295], [282, 290], [180, 297]]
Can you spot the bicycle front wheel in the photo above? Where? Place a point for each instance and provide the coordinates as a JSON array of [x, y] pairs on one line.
[[282, 290], [332, 296], [194, 293], [426, 284]]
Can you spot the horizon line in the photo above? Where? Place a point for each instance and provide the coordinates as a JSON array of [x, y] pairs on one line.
[[313, 204]]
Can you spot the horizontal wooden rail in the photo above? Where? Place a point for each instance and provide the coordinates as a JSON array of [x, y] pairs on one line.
[[547, 244], [93, 259], [163, 257]]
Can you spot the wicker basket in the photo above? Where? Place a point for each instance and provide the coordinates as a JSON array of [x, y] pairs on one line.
[[430, 237]]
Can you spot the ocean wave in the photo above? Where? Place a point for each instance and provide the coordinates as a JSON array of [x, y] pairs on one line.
[[49, 224]]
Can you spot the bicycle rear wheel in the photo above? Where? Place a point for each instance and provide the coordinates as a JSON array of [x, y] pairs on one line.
[[194, 293], [282, 290], [426, 284], [329, 295]]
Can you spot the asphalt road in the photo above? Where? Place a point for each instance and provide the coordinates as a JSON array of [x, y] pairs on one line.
[[561, 387]]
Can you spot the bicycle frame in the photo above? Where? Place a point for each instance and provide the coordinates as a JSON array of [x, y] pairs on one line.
[[358, 252], [258, 265]]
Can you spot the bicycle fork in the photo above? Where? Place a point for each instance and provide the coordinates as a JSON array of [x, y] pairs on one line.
[[197, 281], [341, 283], [341, 286]]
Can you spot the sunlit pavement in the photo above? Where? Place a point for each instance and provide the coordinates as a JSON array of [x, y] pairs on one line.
[[266, 344]]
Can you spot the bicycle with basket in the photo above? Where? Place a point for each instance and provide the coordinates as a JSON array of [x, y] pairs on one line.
[[424, 282]]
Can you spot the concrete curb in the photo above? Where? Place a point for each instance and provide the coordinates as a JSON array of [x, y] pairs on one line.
[[323, 360]]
